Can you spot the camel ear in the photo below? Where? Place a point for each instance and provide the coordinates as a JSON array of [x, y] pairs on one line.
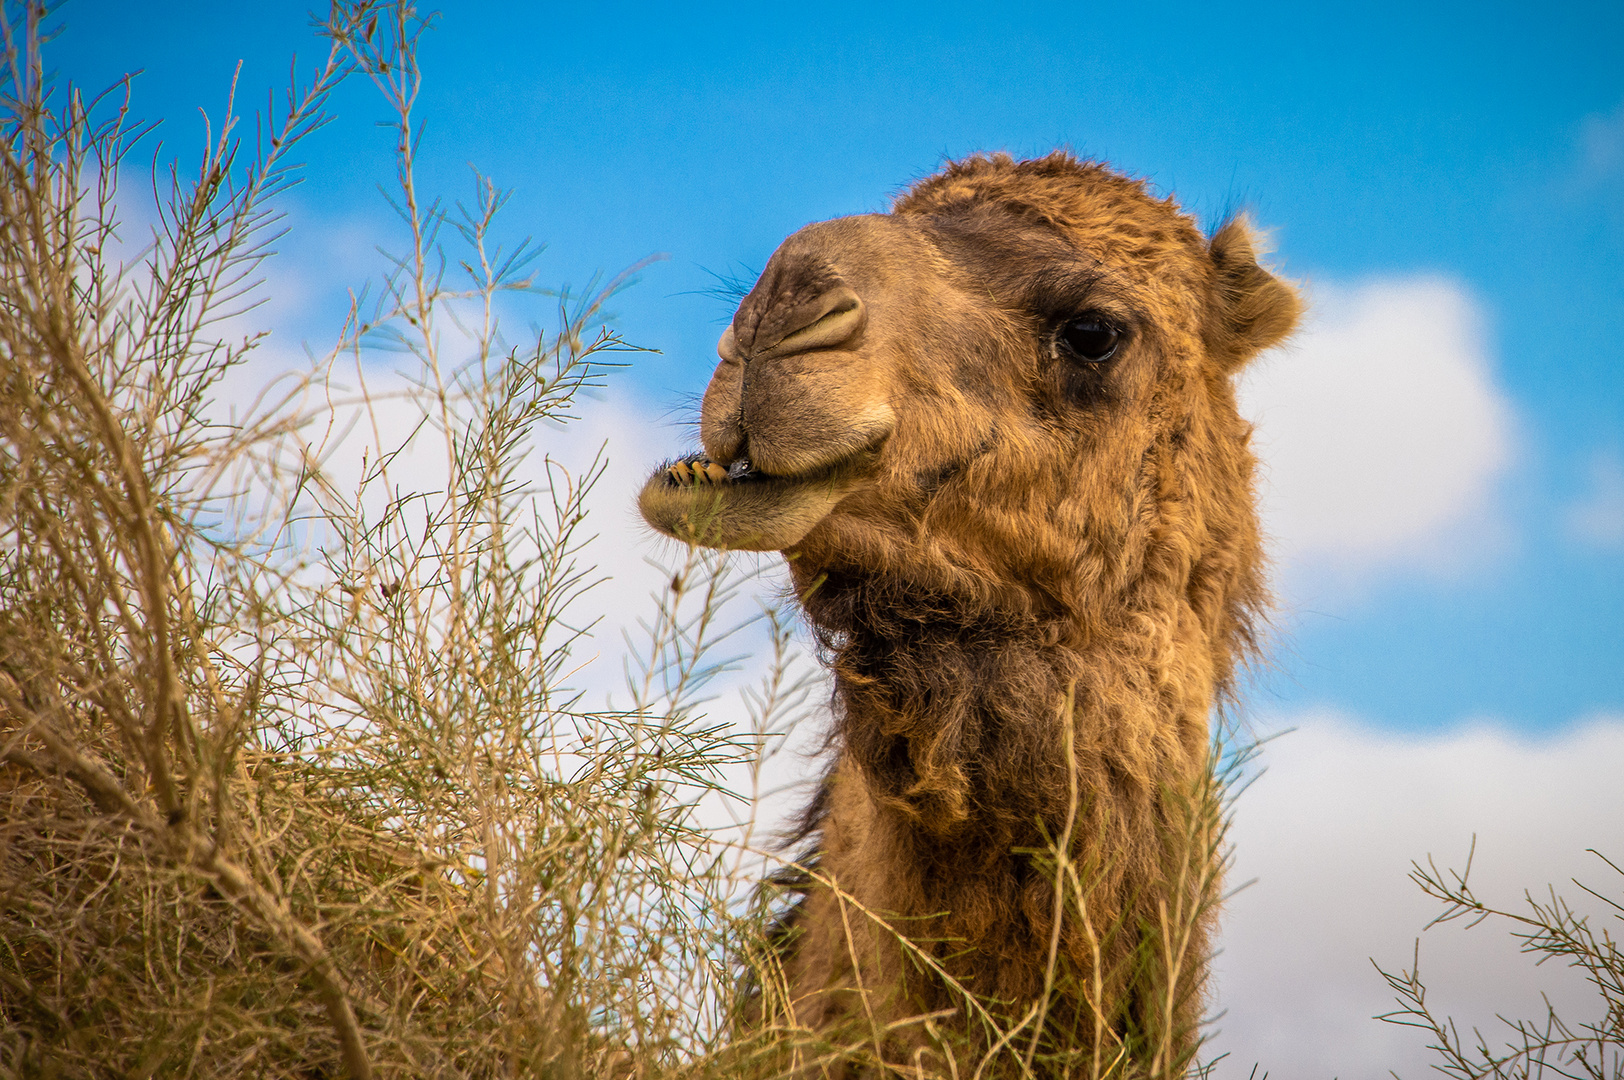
[[1252, 308]]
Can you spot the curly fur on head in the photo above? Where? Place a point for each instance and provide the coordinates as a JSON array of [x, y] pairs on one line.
[[994, 431]]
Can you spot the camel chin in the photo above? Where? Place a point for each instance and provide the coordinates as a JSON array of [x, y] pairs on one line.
[[701, 502]]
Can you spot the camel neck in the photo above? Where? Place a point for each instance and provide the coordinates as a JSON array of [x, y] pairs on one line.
[[952, 714], [955, 715]]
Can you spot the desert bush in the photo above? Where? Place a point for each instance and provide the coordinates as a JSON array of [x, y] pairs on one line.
[[1547, 930], [293, 775]]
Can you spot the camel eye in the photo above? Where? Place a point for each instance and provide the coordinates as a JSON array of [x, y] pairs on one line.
[[1091, 339]]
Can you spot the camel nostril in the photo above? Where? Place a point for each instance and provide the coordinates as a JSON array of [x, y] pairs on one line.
[[830, 321]]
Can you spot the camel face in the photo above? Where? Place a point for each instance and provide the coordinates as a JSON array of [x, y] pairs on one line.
[[969, 385]]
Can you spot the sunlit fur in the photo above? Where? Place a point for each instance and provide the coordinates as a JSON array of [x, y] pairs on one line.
[[1030, 525]]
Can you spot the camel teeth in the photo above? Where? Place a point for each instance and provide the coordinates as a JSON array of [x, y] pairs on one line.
[[702, 470]]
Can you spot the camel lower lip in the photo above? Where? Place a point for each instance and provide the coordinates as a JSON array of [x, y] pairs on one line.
[[738, 506]]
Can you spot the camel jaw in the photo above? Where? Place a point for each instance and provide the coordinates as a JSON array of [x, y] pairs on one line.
[[739, 508]]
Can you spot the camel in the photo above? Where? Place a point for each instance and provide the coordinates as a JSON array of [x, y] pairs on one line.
[[994, 433]]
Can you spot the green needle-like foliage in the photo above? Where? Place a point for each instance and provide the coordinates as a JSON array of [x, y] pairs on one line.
[[1550, 930]]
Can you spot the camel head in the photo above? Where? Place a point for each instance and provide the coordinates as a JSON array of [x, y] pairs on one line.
[[1016, 381]]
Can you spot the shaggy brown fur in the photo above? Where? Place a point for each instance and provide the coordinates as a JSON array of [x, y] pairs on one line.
[[984, 523]]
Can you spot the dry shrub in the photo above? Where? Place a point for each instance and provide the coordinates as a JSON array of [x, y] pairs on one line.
[[294, 780], [1547, 930]]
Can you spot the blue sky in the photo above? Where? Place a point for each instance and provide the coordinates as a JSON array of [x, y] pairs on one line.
[[1480, 145]]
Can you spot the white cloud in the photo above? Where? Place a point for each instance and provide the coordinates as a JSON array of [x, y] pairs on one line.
[[1598, 519], [1383, 433], [1329, 832]]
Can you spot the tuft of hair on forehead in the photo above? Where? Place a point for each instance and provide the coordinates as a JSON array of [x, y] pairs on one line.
[[1047, 187]]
